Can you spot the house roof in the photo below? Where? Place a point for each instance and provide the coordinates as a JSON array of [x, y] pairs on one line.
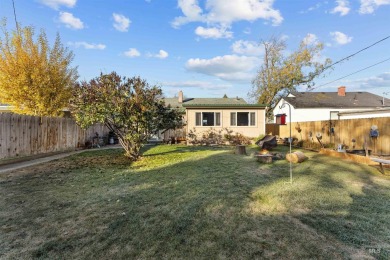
[[333, 100], [210, 102], [174, 102]]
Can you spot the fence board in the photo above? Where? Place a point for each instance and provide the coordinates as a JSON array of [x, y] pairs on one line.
[[22, 135], [272, 129], [344, 131]]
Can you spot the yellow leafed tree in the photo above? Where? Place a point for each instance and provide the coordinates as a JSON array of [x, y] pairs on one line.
[[35, 79]]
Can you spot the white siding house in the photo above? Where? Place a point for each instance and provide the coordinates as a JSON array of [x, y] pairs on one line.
[[319, 106]]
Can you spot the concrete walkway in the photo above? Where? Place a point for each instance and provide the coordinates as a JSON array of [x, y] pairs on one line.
[[23, 164]]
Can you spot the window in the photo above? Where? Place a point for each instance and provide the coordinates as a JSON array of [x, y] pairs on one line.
[[242, 118], [207, 119], [252, 118], [233, 118], [198, 118]]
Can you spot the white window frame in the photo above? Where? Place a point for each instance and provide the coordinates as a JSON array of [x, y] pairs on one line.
[[249, 119], [215, 119]]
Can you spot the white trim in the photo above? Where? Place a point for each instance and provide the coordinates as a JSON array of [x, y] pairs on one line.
[[249, 119], [215, 119]]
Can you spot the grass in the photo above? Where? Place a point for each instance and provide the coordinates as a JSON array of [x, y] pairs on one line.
[[194, 202]]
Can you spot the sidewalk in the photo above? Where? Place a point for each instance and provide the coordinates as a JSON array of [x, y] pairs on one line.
[[18, 165]]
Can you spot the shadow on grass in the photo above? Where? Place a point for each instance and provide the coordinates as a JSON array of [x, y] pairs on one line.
[[210, 204], [355, 207]]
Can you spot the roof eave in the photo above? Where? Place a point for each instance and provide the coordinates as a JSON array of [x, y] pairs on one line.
[[224, 105]]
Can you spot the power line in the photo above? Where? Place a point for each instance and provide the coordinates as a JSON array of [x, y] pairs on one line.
[[351, 74], [16, 22], [346, 58]]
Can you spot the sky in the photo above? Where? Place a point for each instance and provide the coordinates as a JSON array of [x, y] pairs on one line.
[[208, 48]]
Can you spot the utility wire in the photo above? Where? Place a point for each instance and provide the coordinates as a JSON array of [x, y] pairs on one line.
[[16, 22], [346, 58], [351, 74]]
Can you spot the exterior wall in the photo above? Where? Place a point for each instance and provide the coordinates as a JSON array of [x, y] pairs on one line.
[[320, 114], [249, 131]]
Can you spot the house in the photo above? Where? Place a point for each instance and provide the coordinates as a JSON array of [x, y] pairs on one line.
[[319, 106], [4, 108], [235, 114]]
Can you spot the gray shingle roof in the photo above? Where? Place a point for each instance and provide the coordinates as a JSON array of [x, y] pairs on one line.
[[173, 102], [333, 100], [204, 101], [216, 101], [210, 102]]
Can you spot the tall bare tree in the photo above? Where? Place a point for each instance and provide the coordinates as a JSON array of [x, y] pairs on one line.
[[281, 73]]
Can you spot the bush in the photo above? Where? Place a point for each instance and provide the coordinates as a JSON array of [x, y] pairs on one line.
[[213, 136], [237, 138]]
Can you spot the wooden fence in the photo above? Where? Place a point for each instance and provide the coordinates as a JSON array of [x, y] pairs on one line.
[[343, 131], [22, 135], [272, 129]]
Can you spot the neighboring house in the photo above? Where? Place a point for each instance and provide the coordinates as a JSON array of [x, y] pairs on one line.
[[235, 114], [4, 108], [319, 106]]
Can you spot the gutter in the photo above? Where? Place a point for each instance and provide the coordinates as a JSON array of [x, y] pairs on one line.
[[224, 105], [371, 111]]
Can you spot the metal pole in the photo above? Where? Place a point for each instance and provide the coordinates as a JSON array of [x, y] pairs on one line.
[[289, 112], [290, 139]]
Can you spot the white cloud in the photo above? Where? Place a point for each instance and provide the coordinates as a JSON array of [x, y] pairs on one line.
[[341, 38], [228, 67], [191, 10], [342, 7], [377, 84], [88, 46], [121, 22], [369, 6], [284, 37], [310, 39], [213, 32], [70, 21], [161, 54], [247, 48], [132, 52], [205, 85], [378, 81], [311, 8], [224, 13], [55, 4]]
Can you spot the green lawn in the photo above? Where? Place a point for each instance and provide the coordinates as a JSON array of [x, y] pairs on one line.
[[194, 202]]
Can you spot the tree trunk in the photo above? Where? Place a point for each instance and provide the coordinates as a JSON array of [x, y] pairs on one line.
[[264, 158], [296, 157], [240, 149], [132, 149]]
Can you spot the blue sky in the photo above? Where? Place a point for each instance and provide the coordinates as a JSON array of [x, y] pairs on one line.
[[211, 47]]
